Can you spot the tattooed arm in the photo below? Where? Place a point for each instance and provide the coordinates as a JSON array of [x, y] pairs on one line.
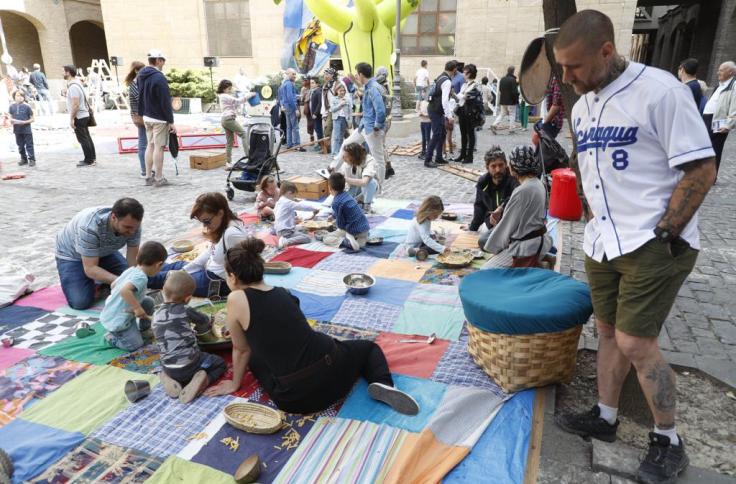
[[688, 194]]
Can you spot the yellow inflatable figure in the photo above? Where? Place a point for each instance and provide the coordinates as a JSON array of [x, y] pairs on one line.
[[363, 32]]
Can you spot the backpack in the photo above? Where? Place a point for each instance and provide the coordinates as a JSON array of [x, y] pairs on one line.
[[435, 94], [473, 108]]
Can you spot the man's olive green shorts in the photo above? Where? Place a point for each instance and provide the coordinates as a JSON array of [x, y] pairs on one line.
[[636, 291]]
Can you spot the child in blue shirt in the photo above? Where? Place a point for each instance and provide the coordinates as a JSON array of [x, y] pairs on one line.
[[352, 225], [128, 301], [21, 117]]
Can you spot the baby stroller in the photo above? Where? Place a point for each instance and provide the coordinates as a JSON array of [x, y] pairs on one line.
[[263, 143]]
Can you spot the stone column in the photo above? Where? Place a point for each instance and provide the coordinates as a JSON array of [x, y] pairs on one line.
[[724, 47]]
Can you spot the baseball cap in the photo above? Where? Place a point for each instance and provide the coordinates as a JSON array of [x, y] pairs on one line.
[[156, 54]]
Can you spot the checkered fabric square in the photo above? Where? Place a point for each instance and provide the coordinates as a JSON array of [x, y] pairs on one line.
[[367, 314], [47, 330], [323, 283], [342, 262], [456, 367], [435, 294], [342, 332], [160, 425]]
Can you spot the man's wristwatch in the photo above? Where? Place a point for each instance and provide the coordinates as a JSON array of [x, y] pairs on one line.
[[663, 235]]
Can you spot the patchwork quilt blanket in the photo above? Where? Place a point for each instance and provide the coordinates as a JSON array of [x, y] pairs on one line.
[[64, 416]]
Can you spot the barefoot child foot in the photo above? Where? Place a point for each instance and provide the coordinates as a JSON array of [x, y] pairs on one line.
[[171, 386], [195, 387]]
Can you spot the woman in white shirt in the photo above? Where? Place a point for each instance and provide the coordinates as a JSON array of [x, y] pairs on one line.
[[230, 105], [224, 230], [468, 99], [360, 174]]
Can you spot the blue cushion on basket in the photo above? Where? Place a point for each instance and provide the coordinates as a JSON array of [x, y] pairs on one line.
[[524, 301]]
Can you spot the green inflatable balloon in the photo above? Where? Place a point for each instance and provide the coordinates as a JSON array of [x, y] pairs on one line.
[[364, 32]]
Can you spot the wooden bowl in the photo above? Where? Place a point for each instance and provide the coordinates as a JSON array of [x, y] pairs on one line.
[[249, 470], [254, 418], [181, 246]]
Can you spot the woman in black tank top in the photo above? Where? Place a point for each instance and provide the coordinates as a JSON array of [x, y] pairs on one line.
[[302, 370]]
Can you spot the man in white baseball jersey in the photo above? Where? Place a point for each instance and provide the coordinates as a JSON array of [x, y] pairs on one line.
[[647, 164]]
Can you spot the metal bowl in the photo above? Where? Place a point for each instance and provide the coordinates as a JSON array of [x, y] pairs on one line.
[[182, 246], [449, 216], [358, 283], [375, 241]]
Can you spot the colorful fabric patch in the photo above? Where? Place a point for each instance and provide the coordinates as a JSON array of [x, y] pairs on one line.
[[442, 275], [390, 235], [96, 461], [92, 349], [463, 415], [343, 450], [48, 299], [399, 269], [288, 281], [386, 206], [367, 314], [11, 356], [424, 458], [300, 257], [33, 447], [13, 316], [248, 385], [418, 318], [456, 367], [387, 291], [466, 240], [32, 379], [393, 223], [87, 401], [404, 213], [343, 262], [175, 469], [375, 220], [321, 308], [360, 406], [412, 359], [502, 450], [93, 312], [46, 330], [435, 294], [159, 424], [323, 283], [382, 251], [318, 246], [275, 449], [144, 360]]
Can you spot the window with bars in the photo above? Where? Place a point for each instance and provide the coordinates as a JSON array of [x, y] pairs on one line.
[[228, 28], [430, 30]]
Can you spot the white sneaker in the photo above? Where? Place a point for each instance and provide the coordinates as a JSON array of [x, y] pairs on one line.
[[353, 243], [282, 243], [394, 398], [160, 182]]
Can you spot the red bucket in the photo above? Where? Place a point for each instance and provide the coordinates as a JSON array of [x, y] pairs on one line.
[[564, 202]]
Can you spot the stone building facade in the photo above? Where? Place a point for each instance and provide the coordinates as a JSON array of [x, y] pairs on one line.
[[248, 33]]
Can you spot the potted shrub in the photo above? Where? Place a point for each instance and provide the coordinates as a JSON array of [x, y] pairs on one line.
[[189, 89]]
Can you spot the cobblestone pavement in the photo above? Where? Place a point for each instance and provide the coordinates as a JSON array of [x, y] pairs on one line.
[[700, 331]]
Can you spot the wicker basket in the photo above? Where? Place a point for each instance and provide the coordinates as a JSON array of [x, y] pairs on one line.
[[254, 418], [522, 361]]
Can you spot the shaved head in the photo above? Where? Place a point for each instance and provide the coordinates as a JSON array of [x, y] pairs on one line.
[[591, 27]]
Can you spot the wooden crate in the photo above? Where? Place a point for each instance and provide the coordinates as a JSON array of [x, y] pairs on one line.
[[207, 160], [310, 188]]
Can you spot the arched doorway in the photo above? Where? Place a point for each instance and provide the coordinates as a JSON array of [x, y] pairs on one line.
[[22, 39], [88, 42]]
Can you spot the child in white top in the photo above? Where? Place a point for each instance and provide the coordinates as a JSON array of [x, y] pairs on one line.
[[267, 197], [420, 230], [286, 220]]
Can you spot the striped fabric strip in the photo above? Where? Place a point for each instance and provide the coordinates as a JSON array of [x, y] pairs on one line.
[[344, 451]]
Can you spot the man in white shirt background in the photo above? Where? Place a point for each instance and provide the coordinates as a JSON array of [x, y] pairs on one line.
[[440, 114], [421, 81], [647, 164], [720, 110]]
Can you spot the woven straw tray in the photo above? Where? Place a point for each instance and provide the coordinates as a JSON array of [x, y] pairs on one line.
[[317, 225], [455, 259], [254, 418]]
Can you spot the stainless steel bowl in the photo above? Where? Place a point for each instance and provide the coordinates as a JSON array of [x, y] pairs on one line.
[[358, 283]]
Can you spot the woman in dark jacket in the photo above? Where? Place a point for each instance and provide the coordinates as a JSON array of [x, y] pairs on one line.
[[470, 106], [302, 370], [131, 80]]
